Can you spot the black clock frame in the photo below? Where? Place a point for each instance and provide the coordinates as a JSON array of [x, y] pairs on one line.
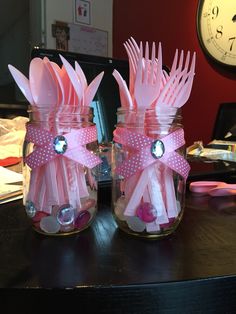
[[209, 56]]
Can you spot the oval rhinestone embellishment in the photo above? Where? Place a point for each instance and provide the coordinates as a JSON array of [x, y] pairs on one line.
[[65, 215], [60, 144], [146, 212], [30, 209], [82, 219], [49, 224], [157, 149]]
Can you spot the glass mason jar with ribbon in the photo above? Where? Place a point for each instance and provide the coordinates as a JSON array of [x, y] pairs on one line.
[[149, 171], [59, 153]]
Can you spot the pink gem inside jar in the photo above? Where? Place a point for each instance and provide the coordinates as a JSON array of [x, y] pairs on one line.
[[146, 212]]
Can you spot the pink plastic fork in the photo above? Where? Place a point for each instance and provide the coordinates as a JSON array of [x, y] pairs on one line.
[[147, 85], [133, 52], [146, 91], [175, 93]]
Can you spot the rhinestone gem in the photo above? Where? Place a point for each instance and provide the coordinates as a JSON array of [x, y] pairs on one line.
[[120, 208], [82, 219], [49, 224], [89, 203], [157, 149], [65, 215], [30, 209], [146, 212], [135, 224], [168, 224], [38, 216], [60, 144]]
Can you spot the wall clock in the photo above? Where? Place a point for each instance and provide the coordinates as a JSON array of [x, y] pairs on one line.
[[216, 28]]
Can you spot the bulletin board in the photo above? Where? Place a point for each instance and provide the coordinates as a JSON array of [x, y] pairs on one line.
[[88, 40]]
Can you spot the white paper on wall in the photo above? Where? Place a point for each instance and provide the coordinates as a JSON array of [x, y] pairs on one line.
[[88, 40]]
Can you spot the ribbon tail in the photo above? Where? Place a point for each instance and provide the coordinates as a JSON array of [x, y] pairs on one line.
[[177, 163], [137, 194]]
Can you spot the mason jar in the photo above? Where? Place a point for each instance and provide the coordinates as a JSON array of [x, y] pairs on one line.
[[149, 171], [59, 169]]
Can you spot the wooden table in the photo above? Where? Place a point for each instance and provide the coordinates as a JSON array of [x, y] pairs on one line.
[[192, 271]]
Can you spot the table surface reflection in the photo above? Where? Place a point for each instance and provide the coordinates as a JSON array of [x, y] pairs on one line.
[[200, 255]]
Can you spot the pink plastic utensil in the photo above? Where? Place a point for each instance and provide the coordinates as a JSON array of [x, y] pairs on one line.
[[42, 84], [92, 89], [213, 188], [67, 86], [147, 85], [22, 82], [133, 52], [51, 68], [74, 80], [125, 97], [44, 92], [81, 75]]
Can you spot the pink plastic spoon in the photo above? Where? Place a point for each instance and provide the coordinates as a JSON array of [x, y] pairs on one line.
[[42, 84], [223, 191], [22, 82], [81, 75], [92, 89], [53, 73], [74, 80]]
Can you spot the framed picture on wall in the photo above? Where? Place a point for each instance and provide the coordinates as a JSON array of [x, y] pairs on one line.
[[61, 32], [82, 12]]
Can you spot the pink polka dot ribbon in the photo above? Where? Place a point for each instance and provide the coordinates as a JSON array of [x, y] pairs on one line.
[[141, 156], [76, 140]]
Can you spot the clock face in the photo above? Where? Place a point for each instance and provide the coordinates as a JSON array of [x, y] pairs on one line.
[[216, 25]]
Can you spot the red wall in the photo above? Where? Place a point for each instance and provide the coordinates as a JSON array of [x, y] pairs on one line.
[[173, 23]]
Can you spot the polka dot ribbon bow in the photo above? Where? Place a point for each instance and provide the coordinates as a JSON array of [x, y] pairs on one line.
[[70, 145], [149, 151]]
